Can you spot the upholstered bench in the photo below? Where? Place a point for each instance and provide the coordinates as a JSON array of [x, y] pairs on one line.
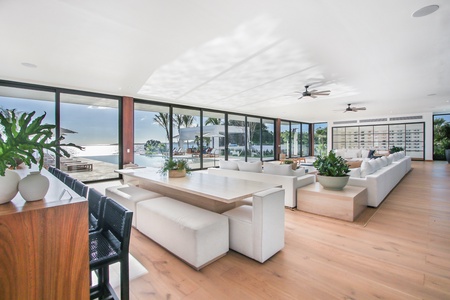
[[129, 196], [195, 235]]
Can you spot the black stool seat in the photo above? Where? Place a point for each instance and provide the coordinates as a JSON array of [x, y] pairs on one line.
[[110, 244]]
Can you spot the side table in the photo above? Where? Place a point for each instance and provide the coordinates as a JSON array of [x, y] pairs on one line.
[[346, 204]]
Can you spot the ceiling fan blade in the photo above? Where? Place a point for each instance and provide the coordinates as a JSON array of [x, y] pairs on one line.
[[313, 96], [360, 108], [313, 91], [300, 97]]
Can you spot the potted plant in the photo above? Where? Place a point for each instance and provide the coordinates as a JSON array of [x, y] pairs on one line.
[[290, 162], [21, 137], [332, 171], [395, 149], [175, 167]]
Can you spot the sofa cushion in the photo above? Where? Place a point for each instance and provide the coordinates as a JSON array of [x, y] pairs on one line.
[[383, 160], [375, 165], [275, 169], [389, 159], [228, 164], [365, 153], [352, 153], [366, 168], [251, 166], [340, 152], [356, 172]]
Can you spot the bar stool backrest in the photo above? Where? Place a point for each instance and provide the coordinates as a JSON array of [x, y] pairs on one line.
[[70, 181], [117, 221], [96, 205], [80, 188]]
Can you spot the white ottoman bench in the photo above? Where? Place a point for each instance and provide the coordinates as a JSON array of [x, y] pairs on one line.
[[129, 195], [195, 235]]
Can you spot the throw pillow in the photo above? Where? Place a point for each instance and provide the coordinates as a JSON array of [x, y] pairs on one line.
[[354, 164], [365, 153], [371, 152], [366, 169], [356, 173], [228, 164], [389, 158], [383, 160], [374, 164], [255, 167], [299, 172], [274, 169]]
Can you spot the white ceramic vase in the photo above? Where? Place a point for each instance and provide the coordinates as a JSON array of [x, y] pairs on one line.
[[34, 186], [8, 186]]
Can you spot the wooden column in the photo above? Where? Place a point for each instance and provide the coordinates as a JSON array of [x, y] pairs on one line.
[[128, 129], [277, 138]]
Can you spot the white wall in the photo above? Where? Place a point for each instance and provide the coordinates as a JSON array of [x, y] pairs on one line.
[[427, 118]]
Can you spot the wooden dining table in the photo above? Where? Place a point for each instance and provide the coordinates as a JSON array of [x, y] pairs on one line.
[[211, 192]]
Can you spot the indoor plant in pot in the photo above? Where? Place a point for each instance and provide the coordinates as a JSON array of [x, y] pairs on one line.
[[175, 167], [21, 137], [332, 171]]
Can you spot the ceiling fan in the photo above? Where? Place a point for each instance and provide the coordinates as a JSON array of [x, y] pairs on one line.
[[353, 109], [313, 93]]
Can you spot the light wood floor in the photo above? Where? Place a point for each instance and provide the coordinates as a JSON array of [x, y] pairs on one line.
[[402, 253]]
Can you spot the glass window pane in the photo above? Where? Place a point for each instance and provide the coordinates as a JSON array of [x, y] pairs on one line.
[[186, 127], [254, 139], [213, 139], [91, 122], [305, 141], [320, 138], [268, 139], [236, 137], [151, 134], [295, 139], [25, 100], [285, 138]]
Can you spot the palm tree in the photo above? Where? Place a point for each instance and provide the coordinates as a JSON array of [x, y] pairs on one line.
[[213, 121], [162, 119]]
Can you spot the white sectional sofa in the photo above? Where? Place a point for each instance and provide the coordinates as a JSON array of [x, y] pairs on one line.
[[289, 179], [380, 176]]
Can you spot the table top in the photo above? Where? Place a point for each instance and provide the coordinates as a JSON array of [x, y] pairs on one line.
[[58, 194], [219, 188], [348, 190]]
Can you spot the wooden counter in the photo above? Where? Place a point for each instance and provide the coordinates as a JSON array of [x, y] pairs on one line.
[[44, 250], [346, 204]]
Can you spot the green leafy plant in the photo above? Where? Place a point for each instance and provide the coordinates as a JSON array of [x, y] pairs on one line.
[[395, 149], [331, 165], [288, 162], [21, 136], [174, 164]]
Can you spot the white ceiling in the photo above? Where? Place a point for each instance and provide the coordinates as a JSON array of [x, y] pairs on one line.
[[243, 56]]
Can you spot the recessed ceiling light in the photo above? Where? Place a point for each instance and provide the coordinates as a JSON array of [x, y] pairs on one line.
[[431, 95], [425, 11], [29, 65]]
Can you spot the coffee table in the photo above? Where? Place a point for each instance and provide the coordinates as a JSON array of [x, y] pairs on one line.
[[344, 205]]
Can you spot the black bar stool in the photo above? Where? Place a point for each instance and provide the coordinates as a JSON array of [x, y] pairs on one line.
[[96, 206], [108, 245]]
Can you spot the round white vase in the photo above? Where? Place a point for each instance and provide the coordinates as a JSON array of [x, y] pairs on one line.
[[34, 186], [8, 186]]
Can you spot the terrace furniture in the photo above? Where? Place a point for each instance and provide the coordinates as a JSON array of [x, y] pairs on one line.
[[108, 245], [257, 231], [78, 166], [129, 196], [195, 235]]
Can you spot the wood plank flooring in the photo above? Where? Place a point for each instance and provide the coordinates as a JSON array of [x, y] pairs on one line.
[[402, 253]]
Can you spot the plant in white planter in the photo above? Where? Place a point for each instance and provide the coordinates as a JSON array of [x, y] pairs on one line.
[[175, 167], [332, 171], [21, 137]]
